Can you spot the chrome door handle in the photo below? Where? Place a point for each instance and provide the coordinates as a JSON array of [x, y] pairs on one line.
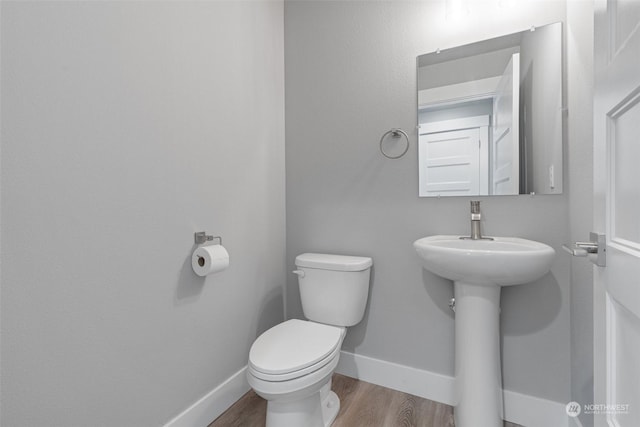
[[581, 248], [595, 249]]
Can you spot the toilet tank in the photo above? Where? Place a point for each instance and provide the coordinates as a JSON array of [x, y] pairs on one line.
[[333, 288]]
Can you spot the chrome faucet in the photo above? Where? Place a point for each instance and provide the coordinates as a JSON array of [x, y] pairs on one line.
[[476, 234]]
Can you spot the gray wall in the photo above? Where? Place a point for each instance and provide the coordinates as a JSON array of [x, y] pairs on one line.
[[350, 77], [580, 178], [126, 127]]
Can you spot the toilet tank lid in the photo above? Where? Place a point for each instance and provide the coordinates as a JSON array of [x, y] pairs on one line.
[[334, 262]]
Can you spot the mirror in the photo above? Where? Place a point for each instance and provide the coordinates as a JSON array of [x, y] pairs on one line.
[[490, 116]]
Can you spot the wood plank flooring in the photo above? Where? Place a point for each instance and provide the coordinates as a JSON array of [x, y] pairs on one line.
[[362, 404]]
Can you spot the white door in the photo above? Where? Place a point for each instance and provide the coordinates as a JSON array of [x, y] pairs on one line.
[[453, 157], [617, 212], [505, 145]]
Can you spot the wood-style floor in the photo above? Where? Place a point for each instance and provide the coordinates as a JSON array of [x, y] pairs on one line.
[[362, 404]]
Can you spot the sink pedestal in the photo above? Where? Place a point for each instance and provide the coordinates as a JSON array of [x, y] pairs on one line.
[[478, 386]]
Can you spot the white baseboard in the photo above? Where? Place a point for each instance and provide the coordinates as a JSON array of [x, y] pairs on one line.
[[519, 408], [214, 403], [531, 411], [428, 385]]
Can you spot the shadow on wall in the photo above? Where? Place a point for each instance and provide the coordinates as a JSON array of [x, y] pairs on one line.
[[190, 286], [530, 307], [439, 289], [189, 283], [355, 334], [271, 312], [524, 308]]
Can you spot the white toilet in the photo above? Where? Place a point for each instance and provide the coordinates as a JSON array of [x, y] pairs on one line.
[[291, 364]]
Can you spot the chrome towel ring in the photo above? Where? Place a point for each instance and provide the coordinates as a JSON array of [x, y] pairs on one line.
[[396, 133]]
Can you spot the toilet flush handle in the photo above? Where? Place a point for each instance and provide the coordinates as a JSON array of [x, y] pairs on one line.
[[300, 273]]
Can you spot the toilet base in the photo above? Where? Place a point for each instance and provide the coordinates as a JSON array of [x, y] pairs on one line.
[[330, 408], [317, 410]]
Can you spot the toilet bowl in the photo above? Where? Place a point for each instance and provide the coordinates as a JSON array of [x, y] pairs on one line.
[[296, 384], [291, 364]]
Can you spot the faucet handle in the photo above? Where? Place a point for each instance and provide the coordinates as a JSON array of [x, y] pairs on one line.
[[475, 206]]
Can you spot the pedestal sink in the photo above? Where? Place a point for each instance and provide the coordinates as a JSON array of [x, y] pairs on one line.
[[478, 269]]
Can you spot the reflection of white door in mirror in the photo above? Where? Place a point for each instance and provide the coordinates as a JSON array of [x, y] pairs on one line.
[[505, 152], [469, 155], [454, 157]]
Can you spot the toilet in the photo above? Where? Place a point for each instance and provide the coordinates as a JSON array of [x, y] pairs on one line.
[[291, 364]]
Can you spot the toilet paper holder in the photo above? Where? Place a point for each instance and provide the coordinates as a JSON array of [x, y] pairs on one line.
[[201, 237]]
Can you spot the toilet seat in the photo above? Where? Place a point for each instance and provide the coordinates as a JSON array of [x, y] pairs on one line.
[[296, 374], [293, 349]]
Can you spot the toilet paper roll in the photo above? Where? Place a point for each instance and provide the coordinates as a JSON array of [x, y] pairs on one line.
[[209, 259]]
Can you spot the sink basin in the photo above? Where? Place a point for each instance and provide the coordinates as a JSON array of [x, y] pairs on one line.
[[503, 261]]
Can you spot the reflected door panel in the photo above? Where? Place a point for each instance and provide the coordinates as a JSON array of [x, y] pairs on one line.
[[454, 157]]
